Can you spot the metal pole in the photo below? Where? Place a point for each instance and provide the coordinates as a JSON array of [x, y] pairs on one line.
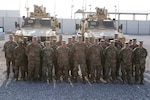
[[115, 11]]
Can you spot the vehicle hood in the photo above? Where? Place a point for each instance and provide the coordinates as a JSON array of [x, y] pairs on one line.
[[35, 32], [108, 33]]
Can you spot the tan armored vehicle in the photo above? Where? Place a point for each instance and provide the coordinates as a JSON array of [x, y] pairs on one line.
[[97, 25], [38, 23]]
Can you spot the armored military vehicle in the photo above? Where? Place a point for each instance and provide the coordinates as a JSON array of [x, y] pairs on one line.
[[98, 24], [37, 23]]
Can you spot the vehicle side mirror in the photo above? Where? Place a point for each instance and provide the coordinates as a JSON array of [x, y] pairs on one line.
[[120, 28], [59, 25], [16, 24], [23, 17], [77, 26]]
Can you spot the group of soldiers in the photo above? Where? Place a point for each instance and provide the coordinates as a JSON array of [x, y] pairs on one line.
[[98, 60]]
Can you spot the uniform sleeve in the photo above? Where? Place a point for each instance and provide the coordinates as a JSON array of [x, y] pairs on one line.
[[5, 48], [15, 53], [27, 50]]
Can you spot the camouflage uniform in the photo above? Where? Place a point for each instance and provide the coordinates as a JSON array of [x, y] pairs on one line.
[[88, 44], [111, 56], [47, 63], [40, 68], [20, 58], [79, 51], [9, 55], [133, 46], [118, 45], [126, 56], [63, 56], [60, 40], [95, 57], [104, 44], [70, 60], [55, 58], [25, 43], [140, 55], [33, 52]]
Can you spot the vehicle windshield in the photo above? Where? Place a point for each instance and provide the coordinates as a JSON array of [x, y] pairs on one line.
[[1, 29], [34, 22], [96, 24]]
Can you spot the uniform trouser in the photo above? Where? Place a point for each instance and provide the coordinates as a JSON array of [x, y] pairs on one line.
[[8, 61], [139, 72], [71, 68], [126, 72], [82, 67], [117, 68], [33, 70], [21, 67], [88, 67], [110, 67], [56, 68], [47, 71], [96, 70], [133, 69], [40, 70], [63, 71]]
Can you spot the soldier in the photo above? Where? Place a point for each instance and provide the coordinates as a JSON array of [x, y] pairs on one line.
[[111, 56], [20, 58], [95, 57], [91, 40], [118, 41], [9, 47], [133, 46], [33, 51], [54, 46], [140, 54], [63, 56], [126, 56], [70, 44], [103, 44], [25, 43], [118, 46], [47, 62], [40, 68], [106, 41], [88, 44], [59, 41], [79, 58], [74, 39], [130, 42]]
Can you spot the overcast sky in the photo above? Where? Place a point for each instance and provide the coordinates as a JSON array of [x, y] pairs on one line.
[[63, 7]]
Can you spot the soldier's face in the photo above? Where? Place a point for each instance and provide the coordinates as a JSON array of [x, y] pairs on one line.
[[47, 45], [34, 41], [134, 42], [140, 45], [87, 40], [73, 39], [112, 44], [69, 41], [11, 39], [60, 38], [63, 45], [80, 40], [127, 45]]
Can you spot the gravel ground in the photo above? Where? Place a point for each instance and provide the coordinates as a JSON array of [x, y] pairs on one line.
[[11, 90]]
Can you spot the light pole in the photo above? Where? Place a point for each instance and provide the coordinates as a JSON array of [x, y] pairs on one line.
[[90, 8], [71, 10], [115, 11]]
